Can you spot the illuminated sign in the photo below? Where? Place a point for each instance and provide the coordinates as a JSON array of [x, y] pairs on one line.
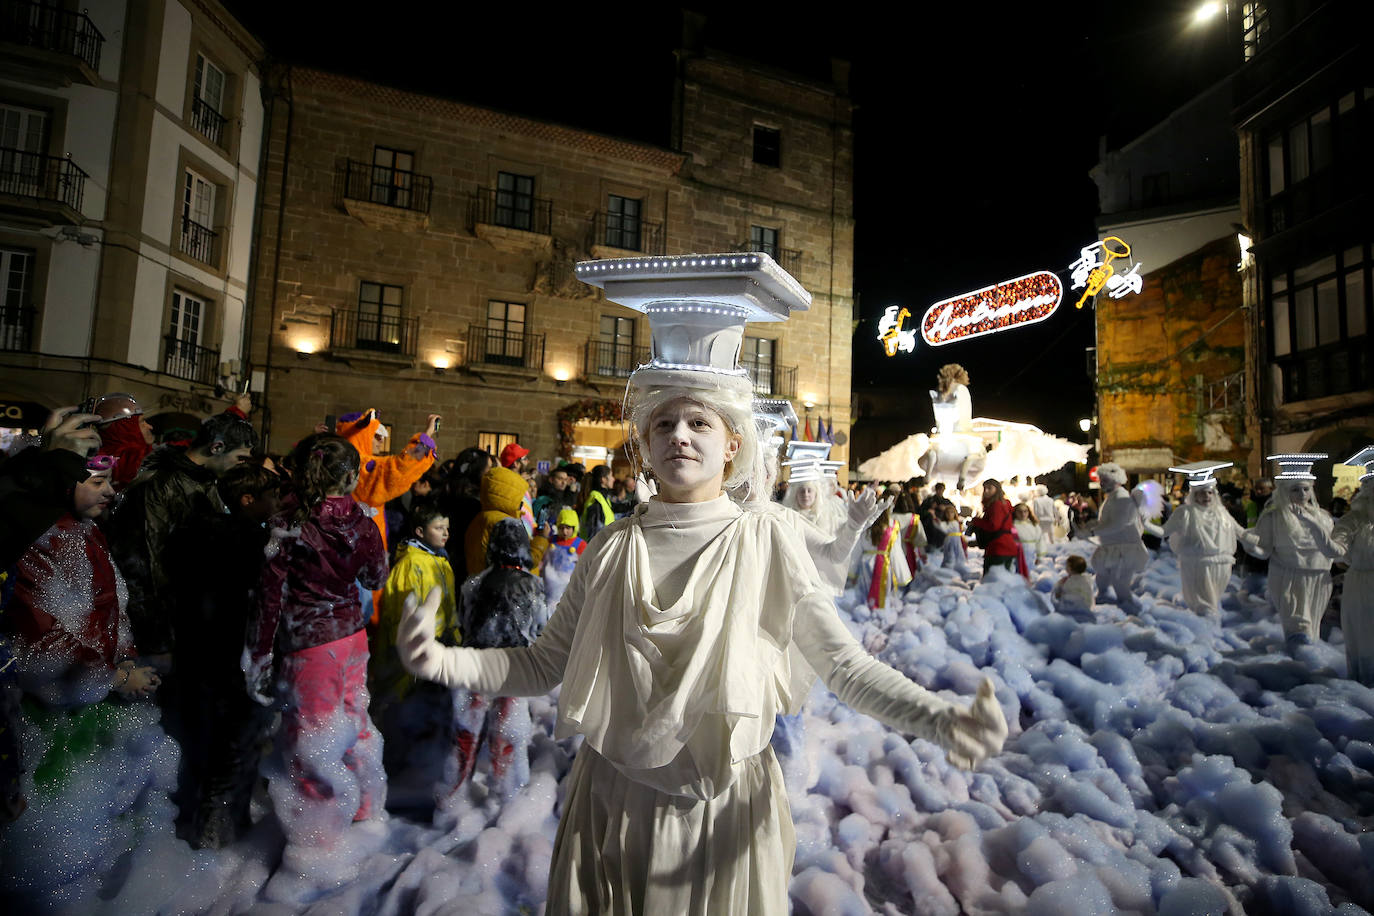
[[1094, 271], [893, 336], [1013, 304]]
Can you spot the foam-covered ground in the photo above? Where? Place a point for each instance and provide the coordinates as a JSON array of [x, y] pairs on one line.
[[1158, 763]]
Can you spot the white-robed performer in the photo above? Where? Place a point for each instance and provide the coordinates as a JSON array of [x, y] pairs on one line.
[[1354, 532], [683, 631], [1120, 555], [1043, 507], [830, 551], [1204, 536], [1296, 533]]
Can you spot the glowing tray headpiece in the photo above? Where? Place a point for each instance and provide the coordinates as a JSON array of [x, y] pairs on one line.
[[1296, 466], [1200, 472]]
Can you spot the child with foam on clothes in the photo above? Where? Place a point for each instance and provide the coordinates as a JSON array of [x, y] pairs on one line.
[[685, 628], [560, 559], [882, 568], [329, 772], [1075, 593], [502, 607], [74, 656]]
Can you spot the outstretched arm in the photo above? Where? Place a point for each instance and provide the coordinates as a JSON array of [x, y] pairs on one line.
[[865, 684]]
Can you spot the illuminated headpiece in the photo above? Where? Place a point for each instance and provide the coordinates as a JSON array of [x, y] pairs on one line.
[[1364, 458], [1200, 473], [808, 461], [1296, 466], [773, 416]]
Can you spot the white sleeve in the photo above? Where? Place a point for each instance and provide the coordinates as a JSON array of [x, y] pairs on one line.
[[861, 681]]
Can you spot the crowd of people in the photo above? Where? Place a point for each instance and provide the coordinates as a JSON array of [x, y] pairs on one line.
[[290, 616]]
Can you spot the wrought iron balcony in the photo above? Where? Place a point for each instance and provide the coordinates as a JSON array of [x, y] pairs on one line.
[[495, 207], [39, 176], [16, 327], [381, 333], [613, 360], [48, 27], [199, 242], [187, 360], [616, 230], [380, 184], [207, 122], [772, 380], [789, 259], [495, 347]]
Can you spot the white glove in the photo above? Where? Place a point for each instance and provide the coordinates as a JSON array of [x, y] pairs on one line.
[[420, 654], [865, 508], [969, 735]]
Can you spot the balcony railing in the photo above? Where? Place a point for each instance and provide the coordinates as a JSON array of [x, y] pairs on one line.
[[49, 28], [616, 230], [772, 380], [1343, 368], [495, 347], [206, 121], [188, 360], [614, 360], [494, 207], [199, 242], [382, 333], [380, 184], [789, 259], [41, 177], [16, 327]]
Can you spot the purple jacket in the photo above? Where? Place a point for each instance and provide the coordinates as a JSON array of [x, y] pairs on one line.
[[308, 585]]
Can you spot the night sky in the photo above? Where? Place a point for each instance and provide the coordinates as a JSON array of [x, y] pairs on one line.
[[975, 130]]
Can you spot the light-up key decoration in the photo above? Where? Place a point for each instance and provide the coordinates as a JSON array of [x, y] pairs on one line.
[[1012, 304], [1094, 271]]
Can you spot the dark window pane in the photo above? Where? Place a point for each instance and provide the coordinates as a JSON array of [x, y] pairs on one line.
[[767, 146]]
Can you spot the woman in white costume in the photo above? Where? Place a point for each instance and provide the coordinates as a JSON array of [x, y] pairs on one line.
[[1296, 533], [1204, 537], [1354, 531], [680, 636], [1121, 555]]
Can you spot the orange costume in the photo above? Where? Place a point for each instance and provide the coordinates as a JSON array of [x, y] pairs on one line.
[[381, 480]]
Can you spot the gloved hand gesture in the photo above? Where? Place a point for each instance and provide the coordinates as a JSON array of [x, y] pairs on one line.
[[865, 508], [969, 735], [420, 654]]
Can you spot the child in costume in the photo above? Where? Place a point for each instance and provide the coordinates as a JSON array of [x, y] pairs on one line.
[[421, 564], [882, 566], [502, 608], [1075, 592], [1031, 536], [953, 550], [330, 771], [560, 558], [73, 654], [683, 632]]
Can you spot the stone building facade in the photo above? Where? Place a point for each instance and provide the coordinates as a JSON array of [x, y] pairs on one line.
[[416, 254], [127, 191]]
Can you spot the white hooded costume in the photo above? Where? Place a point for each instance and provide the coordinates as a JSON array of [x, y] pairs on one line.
[[1354, 532], [684, 630], [1121, 555], [1296, 534], [1204, 536], [1043, 507]]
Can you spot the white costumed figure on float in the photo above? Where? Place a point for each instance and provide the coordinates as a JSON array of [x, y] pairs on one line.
[[686, 628], [1120, 555], [1354, 532], [1044, 510], [1296, 534], [956, 454], [1204, 536]]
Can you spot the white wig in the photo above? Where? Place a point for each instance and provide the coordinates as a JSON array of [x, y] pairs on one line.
[[736, 408], [1112, 471]]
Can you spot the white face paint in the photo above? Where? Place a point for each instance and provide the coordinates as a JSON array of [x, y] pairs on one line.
[[806, 495], [1107, 482], [1299, 492], [1203, 496], [689, 445]]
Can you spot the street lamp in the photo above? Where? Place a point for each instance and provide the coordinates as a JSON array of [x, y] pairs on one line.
[[1085, 424], [1206, 11]]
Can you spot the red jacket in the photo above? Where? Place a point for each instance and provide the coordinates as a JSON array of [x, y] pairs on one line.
[[995, 522]]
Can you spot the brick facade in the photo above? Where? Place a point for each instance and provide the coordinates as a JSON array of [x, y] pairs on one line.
[[324, 233]]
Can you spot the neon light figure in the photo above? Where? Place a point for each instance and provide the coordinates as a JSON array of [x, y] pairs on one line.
[[891, 333], [1094, 270]]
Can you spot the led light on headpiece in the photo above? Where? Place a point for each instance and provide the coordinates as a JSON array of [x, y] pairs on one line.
[[1200, 472], [798, 451], [697, 307], [1296, 466], [774, 414], [1364, 458]]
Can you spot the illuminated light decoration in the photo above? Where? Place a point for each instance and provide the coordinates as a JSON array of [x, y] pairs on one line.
[[1363, 459], [1200, 473], [1012, 304], [1297, 465], [1093, 271], [893, 336]]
